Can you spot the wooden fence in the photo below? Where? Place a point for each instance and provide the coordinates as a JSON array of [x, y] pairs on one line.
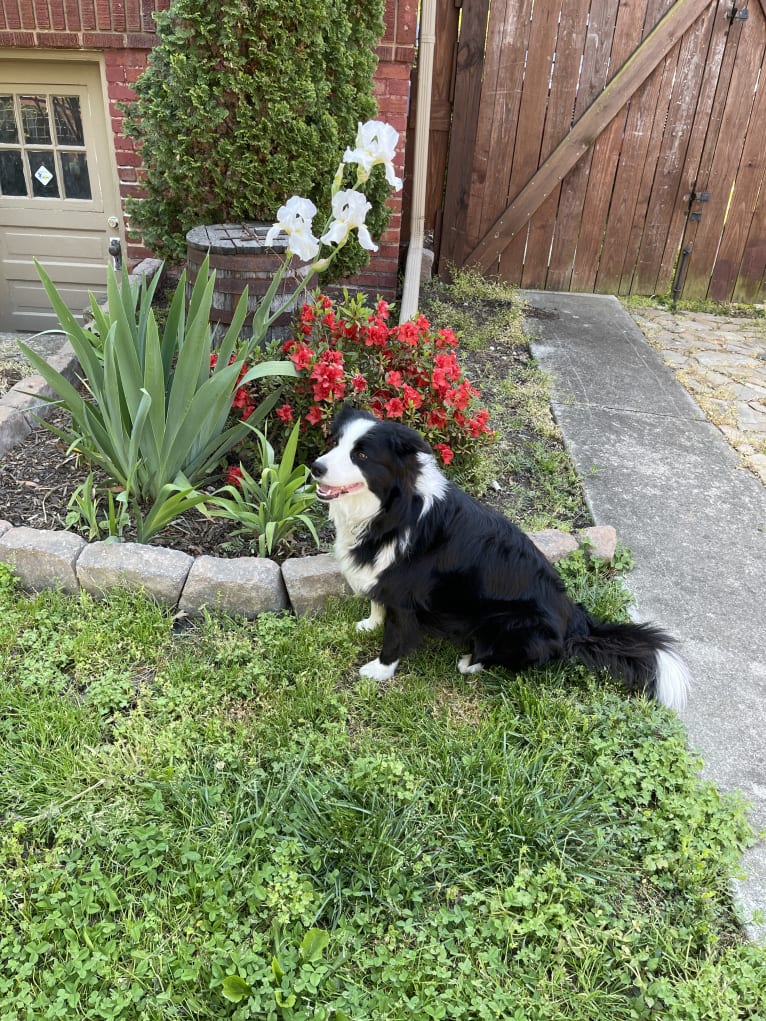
[[599, 145]]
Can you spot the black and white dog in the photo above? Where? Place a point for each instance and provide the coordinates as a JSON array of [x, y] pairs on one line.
[[432, 559]]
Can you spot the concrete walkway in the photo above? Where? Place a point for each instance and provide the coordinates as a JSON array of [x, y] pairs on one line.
[[654, 467]]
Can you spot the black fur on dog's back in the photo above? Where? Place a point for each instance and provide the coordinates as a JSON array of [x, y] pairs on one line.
[[438, 561]]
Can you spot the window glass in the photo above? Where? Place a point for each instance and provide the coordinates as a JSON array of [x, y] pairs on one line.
[[9, 133], [74, 170], [12, 173], [68, 120], [34, 118], [42, 167]]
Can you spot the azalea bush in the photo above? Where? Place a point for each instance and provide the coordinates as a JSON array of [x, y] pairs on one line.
[[407, 372]]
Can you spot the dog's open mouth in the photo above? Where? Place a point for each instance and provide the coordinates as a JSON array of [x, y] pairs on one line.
[[333, 492]]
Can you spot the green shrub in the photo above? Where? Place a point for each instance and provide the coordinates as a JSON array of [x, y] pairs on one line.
[[245, 103]]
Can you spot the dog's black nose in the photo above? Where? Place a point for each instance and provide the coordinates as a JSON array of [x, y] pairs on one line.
[[318, 469]]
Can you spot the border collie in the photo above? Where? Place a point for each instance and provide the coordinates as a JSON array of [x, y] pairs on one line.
[[434, 560]]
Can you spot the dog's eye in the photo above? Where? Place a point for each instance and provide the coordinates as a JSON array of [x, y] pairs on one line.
[[360, 455]]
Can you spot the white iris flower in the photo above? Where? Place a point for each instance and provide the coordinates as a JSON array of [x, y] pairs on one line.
[[294, 219], [349, 208], [375, 144]]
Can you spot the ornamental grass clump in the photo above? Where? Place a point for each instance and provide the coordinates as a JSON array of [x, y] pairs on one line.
[[151, 414]]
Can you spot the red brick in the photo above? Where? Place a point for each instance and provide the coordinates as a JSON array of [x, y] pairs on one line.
[[12, 15], [103, 15], [127, 175], [393, 69], [58, 19], [27, 11], [102, 41], [10, 39], [61, 40], [72, 15], [87, 15], [141, 40], [120, 93]]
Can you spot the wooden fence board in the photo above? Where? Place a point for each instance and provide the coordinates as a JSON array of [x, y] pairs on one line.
[[508, 33], [544, 27], [749, 175], [465, 113], [642, 209], [630, 31], [445, 46], [718, 167], [570, 45], [629, 173], [594, 73], [660, 227]]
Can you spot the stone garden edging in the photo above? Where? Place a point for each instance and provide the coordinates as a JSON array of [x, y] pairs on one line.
[[241, 586]]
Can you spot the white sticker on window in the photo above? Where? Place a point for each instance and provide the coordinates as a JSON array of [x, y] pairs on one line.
[[44, 176]]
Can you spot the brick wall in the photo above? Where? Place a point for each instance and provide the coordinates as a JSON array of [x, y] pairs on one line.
[[124, 31]]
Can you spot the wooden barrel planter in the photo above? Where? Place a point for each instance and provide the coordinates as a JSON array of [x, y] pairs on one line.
[[240, 257]]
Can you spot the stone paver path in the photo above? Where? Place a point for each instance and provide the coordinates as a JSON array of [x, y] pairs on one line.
[[721, 361]]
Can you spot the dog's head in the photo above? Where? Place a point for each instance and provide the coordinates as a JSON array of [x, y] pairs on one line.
[[370, 457]]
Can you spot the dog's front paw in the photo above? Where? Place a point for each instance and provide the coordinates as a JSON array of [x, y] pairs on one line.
[[368, 624], [378, 671], [375, 620], [465, 666]]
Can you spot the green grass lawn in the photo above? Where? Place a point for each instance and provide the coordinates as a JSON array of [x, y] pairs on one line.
[[226, 822]]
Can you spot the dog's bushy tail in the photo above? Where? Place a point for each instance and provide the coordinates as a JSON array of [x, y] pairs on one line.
[[642, 656]]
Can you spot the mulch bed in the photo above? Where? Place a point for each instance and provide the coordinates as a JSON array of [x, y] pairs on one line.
[[38, 477]]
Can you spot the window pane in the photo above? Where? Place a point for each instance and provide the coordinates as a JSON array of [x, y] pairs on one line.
[[42, 166], [68, 120], [34, 118], [74, 170], [9, 133], [12, 174]]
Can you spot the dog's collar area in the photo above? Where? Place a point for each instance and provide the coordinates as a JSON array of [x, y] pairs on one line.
[[327, 493]]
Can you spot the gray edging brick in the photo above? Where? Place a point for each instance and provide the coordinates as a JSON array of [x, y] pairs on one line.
[[243, 586], [159, 572]]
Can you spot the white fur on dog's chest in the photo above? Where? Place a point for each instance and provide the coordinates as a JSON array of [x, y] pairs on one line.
[[362, 577]]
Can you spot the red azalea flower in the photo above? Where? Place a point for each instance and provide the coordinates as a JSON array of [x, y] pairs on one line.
[[302, 357], [446, 453], [314, 415], [394, 408], [359, 383], [285, 413], [240, 397], [233, 476], [408, 334], [411, 397], [213, 360], [288, 346], [394, 378], [377, 333], [446, 338], [437, 419], [382, 308]]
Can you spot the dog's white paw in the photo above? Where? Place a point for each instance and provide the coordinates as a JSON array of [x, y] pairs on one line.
[[368, 624], [378, 671], [375, 620], [465, 666]]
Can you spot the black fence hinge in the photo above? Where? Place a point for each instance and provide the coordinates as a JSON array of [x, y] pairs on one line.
[[737, 13]]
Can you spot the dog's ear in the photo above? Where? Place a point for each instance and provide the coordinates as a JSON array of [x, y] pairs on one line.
[[407, 442], [346, 414]]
